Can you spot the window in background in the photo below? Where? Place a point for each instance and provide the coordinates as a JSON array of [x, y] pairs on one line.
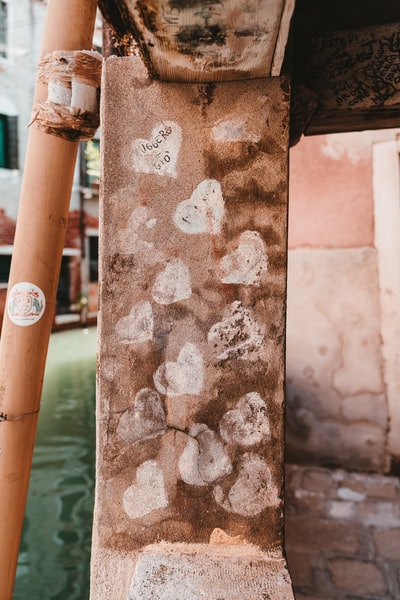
[[3, 28], [93, 259], [5, 263], [8, 142]]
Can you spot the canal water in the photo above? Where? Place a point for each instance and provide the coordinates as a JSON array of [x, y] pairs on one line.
[[55, 546]]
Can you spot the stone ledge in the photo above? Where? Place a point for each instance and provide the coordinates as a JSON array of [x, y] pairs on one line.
[[197, 571]]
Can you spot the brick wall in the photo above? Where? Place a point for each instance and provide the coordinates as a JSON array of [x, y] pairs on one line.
[[342, 534]]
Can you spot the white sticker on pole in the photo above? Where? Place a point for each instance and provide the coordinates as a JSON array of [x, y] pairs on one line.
[[26, 303]]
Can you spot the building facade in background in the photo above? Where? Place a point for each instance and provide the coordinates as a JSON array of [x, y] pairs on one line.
[[21, 27]]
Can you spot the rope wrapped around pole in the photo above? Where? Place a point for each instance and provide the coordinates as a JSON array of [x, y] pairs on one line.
[[71, 110]]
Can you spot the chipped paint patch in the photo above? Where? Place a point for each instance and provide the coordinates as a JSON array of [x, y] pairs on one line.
[[248, 424], [248, 263], [148, 493], [185, 376], [146, 418], [138, 326], [353, 145], [253, 490], [173, 283], [204, 211], [159, 154], [233, 130], [204, 459], [238, 335]]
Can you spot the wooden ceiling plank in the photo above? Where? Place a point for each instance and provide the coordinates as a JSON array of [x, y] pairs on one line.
[[283, 35], [205, 40], [356, 76]]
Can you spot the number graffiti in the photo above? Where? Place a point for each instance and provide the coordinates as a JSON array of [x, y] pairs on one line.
[[163, 157]]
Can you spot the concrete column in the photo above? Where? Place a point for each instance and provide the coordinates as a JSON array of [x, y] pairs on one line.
[[189, 500]]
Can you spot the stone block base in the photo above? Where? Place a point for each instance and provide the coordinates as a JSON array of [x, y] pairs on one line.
[[199, 571]]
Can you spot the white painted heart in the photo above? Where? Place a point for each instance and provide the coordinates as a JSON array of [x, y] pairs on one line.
[[204, 211], [173, 283], [238, 335], [159, 154], [146, 418], [253, 491], [138, 325], [147, 493], [248, 262], [233, 130], [204, 459], [129, 237], [185, 376], [248, 424]]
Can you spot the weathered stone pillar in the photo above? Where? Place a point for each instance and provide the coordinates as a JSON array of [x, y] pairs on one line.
[[189, 500]]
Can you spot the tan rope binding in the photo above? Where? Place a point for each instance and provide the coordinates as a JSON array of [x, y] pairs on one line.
[[71, 110]]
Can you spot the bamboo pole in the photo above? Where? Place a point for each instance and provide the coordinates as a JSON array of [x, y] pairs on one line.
[[39, 240]]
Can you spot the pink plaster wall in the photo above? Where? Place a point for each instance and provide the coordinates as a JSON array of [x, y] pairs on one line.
[[330, 192], [336, 403]]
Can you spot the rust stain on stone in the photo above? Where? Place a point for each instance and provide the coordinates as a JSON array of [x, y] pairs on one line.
[[204, 97]]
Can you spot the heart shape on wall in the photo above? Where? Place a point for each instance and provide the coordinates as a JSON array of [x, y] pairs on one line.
[[145, 419], [173, 283], [237, 336], [247, 264], [253, 491], [147, 493], [185, 376], [248, 424], [204, 211], [204, 459], [138, 325], [159, 154]]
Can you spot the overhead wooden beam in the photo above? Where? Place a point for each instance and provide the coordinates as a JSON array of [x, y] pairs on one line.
[[203, 41], [355, 75]]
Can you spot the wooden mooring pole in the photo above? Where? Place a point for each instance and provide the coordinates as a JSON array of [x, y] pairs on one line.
[[39, 240]]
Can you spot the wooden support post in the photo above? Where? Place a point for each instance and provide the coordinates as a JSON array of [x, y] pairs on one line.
[[192, 328], [39, 241]]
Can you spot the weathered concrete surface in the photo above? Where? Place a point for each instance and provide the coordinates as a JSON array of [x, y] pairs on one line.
[[337, 409], [192, 318]]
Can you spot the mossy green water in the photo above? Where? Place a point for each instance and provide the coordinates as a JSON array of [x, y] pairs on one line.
[[54, 559]]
